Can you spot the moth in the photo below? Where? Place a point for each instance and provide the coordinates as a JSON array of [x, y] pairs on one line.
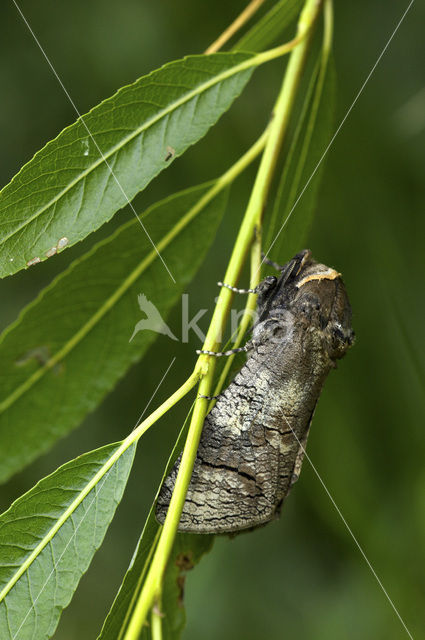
[[253, 440]]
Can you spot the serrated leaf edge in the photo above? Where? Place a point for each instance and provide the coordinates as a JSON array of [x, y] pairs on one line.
[[64, 517]]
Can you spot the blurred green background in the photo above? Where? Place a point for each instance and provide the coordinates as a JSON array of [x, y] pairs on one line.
[[302, 576]]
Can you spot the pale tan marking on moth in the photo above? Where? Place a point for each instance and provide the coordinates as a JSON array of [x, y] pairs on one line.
[[253, 440], [330, 274]]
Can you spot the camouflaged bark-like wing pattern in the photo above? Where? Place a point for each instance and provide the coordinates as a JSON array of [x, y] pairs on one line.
[[253, 440]]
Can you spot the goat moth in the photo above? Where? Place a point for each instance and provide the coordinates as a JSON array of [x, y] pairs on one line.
[[253, 440]]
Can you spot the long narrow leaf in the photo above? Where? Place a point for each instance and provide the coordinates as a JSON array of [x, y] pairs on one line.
[[48, 538], [188, 550], [291, 164], [71, 345], [67, 190], [295, 202]]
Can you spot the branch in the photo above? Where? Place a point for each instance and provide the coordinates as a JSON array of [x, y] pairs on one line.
[[237, 24], [277, 129]]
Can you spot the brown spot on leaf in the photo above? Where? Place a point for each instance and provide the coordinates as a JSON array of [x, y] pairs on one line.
[[180, 585], [33, 261], [62, 242], [170, 154], [51, 252], [40, 354], [184, 562]]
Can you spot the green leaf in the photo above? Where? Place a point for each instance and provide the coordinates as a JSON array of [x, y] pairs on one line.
[[187, 552], [268, 29], [48, 538], [71, 345], [294, 206], [67, 190]]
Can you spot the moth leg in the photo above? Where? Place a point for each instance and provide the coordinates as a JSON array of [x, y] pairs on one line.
[[230, 352], [201, 395], [271, 263], [235, 289]]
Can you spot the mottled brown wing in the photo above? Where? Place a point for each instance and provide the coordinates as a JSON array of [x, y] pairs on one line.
[[247, 458], [253, 440]]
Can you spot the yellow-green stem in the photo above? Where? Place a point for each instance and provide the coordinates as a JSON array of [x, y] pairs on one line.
[[237, 24], [131, 439], [278, 127], [249, 311], [156, 622]]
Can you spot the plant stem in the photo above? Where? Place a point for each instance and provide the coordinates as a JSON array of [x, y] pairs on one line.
[[131, 439], [301, 142], [221, 183], [256, 248], [329, 27], [249, 311], [156, 622], [224, 180], [252, 219], [227, 178], [237, 24]]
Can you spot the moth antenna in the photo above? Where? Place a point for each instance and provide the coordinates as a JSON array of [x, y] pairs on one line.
[[220, 353], [235, 289], [254, 438]]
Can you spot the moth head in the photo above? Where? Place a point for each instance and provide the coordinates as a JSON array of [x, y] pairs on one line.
[[315, 296], [320, 296]]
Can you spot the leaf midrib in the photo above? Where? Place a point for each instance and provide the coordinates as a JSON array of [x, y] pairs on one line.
[[111, 300], [105, 156], [83, 493]]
